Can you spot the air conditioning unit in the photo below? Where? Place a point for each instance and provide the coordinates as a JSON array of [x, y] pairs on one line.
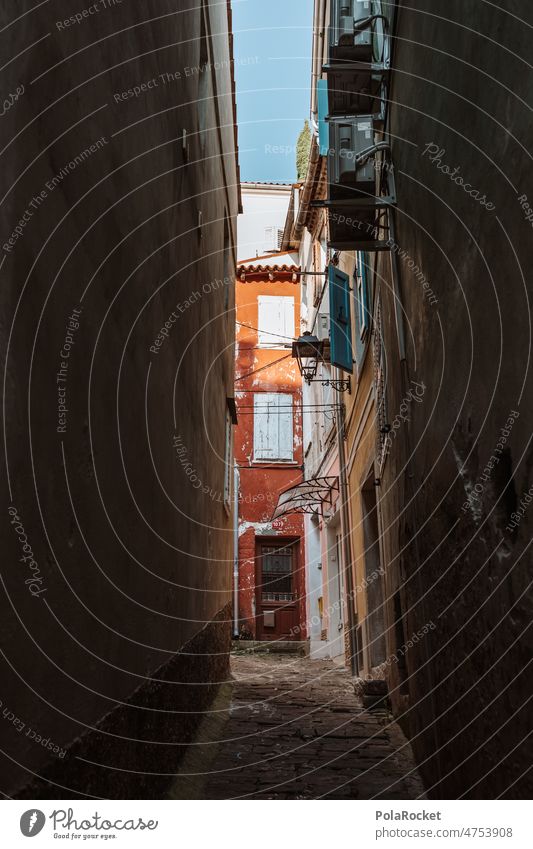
[[350, 32], [359, 230], [349, 172], [322, 326], [358, 59], [355, 91]]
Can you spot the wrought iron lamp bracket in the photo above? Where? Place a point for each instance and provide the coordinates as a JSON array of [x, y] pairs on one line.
[[337, 385]]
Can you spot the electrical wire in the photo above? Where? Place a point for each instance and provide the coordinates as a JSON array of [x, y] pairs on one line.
[[365, 154], [288, 406], [268, 365], [365, 23], [267, 332]]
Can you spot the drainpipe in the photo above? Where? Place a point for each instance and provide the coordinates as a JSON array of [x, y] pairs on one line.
[[318, 52], [236, 552], [345, 525]]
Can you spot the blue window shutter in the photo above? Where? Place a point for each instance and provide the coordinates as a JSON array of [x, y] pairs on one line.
[[340, 319], [323, 126]]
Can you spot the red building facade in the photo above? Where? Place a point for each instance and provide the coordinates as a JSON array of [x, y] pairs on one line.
[[268, 450]]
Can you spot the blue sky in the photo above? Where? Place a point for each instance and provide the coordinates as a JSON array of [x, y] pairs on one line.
[[273, 72]]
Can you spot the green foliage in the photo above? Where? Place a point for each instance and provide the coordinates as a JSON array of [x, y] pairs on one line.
[[303, 148]]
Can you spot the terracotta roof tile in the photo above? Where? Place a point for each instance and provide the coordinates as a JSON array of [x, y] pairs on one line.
[[262, 269]]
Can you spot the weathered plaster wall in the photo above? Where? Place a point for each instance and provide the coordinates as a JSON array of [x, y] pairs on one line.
[[334, 611], [133, 560], [260, 482], [360, 452], [461, 84]]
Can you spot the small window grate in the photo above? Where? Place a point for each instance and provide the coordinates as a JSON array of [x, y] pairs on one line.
[[276, 574]]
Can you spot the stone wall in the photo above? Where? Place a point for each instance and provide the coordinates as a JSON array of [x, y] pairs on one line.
[[461, 100], [136, 750], [120, 192]]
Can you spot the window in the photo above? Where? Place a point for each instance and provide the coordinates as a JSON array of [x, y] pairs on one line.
[[362, 272], [275, 321], [228, 457], [229, 279], [340, 319], [231, 419], [273, 426], [276, 573], [271, 238]]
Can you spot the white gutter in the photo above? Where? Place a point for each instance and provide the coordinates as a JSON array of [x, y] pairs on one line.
[[319, 31], [346, 536], [236, 552]]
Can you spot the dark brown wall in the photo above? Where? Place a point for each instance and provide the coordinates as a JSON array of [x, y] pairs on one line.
[[133, 557], [461, 83]]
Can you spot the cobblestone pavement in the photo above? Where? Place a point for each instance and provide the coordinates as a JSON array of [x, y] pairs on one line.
[[296, 730]]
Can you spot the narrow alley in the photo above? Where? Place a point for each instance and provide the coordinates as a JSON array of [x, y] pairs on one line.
[[265, 334], [293, 728]]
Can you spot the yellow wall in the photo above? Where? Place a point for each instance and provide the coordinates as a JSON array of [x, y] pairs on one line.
[[360, 449]]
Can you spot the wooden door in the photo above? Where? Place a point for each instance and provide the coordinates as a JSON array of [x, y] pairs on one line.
[[276, 593]]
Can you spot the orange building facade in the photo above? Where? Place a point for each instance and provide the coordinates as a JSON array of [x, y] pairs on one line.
[[268, 450]]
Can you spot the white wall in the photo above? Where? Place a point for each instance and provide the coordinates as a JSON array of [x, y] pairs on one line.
[[313, 566], [263, 207]]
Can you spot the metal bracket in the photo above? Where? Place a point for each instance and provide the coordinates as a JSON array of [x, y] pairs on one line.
[[337, 385], [374, 202], [355, 245], [350, 67]]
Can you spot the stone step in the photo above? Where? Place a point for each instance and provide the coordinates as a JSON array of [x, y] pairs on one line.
[[375, 694], [297, 647], [375, 687]]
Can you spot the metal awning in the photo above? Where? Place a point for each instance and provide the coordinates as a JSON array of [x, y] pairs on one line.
[[307, 497]]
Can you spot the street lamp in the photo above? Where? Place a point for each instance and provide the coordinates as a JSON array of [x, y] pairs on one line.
[[308, 351]]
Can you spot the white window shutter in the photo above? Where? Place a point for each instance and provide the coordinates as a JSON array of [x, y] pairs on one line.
[[271, 238], [268, 322], [288, 318], [285, 427], [265, 426], [260, 428], [273, 426], [275, 320]]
